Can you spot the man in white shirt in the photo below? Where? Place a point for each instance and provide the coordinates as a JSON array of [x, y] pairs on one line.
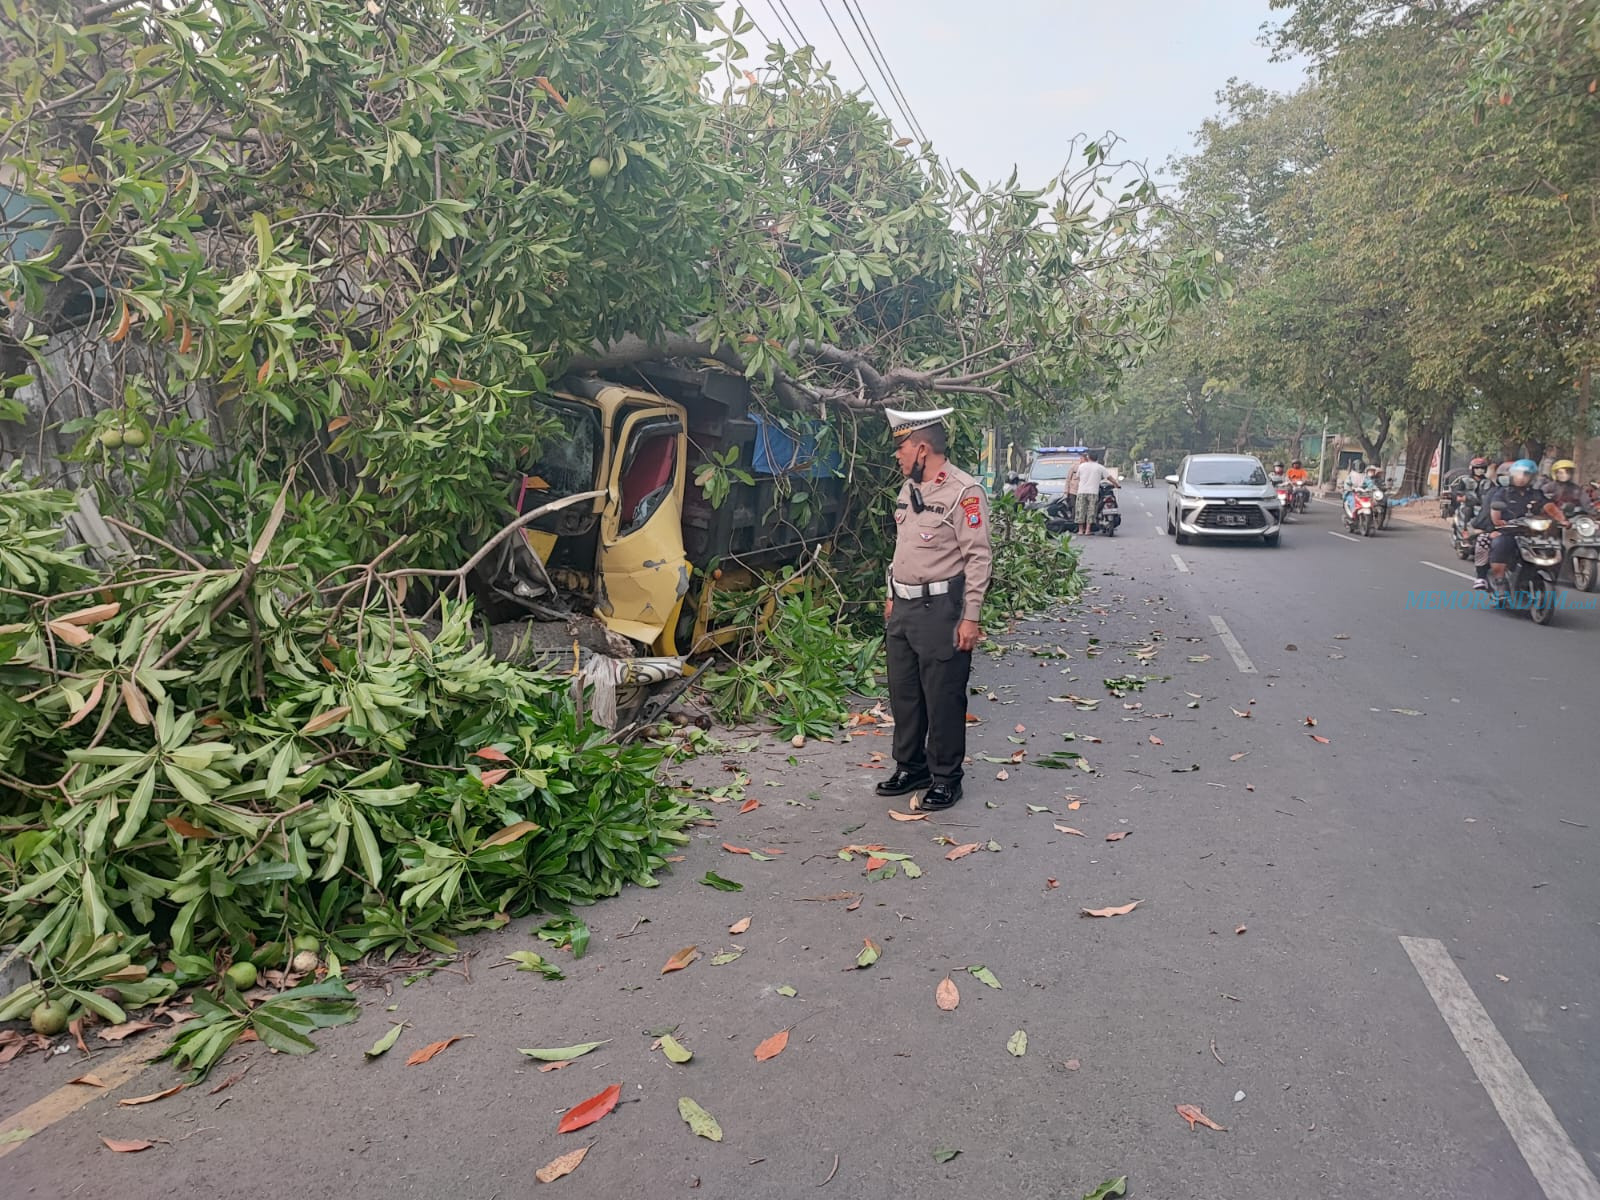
[[1090, 475]]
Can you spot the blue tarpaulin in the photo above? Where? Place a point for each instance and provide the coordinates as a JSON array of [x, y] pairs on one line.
[[780, 452]]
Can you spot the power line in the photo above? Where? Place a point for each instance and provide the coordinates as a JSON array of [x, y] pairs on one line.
[[839, 33], [798, 32], [881, 61], [787, 32]]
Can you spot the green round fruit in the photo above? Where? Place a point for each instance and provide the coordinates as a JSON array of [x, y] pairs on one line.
[[242, 975], [135, 438], [599, 167], [111, 439], [308, 941], [49, 1018]]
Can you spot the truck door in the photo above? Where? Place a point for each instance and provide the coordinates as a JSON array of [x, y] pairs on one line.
[[644, 573]]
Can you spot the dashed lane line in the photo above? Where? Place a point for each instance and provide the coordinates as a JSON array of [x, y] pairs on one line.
[[1560, 1170], [1180, 564], [1448, 570], [1345, 536], [1235, 650]]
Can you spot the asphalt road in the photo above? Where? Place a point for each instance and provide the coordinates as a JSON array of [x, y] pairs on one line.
[[1453, 803]]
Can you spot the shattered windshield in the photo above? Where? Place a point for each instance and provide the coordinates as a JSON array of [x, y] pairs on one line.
[[566, 462]]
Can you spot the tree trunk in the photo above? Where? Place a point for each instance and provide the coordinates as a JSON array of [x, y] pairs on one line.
[[1580, 439], [1421, 441]]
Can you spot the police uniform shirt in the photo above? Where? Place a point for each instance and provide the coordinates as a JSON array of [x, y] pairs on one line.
[[949, 537]]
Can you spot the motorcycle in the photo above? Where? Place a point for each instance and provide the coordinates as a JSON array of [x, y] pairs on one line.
[[1285, 498], [1147, 476], [1583, 551], [1106, 516], [1530, 582], [1059, 517], [1361, 510], [1463, 534], [1302, 496]]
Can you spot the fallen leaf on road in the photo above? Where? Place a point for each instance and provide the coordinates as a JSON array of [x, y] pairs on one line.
[[1317, 737], [1406, 712], [681, 959], [712, 879], [1241, 929], [555, 1066], [786, 990], [739, 926], [1018, 1044], [230, 1081], [853, 905], [1071, 830], [900, 816], [722, 960], [1238, 756], [1002, 773], [386, 1043], [1022, 729], [944, 1154], [1118, 911], [873, 862], [946, 996], [700, 1122], [557, 1167], [1311, 721], [1050, 885], [1074, 805], [126, 1030], [675, 1050], [127, 1146], [749, 806], [1038, 808], [1118, 835], [1109, 1189], [1237, 713], [773, 1046], [96, 1081], [152, 1097], [421, 1056], [1501, 978], [591, 1110], [963, 851], [1072, 1064], [563, 1053], [1341, 637], [870, 953], [985, 976], [1155, 741], [1195, 1117], [735, 849]]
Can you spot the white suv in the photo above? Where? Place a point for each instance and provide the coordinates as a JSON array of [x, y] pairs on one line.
[[1222, 495]]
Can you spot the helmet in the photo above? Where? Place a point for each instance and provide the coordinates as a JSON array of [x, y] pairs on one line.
[[1277, 466], [1563, 464], [1373, 469], [1295, 463], [1480, 463], [1523, 466]]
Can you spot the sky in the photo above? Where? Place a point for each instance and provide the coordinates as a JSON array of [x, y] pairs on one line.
[[997, 83]]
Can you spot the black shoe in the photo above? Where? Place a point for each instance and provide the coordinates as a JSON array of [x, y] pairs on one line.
[[903, 781], [941, 795]]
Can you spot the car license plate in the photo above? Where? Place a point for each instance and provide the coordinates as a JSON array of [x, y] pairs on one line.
[[1231, 518]]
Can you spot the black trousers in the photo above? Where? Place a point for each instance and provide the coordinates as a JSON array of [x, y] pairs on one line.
[[928, 684]]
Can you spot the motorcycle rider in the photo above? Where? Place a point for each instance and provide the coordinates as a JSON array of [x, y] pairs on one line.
[[1497, 549], [1563, 488], [1297, 474], [1147, 469]]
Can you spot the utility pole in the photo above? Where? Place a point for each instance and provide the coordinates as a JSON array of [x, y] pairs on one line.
[[1322, 453]]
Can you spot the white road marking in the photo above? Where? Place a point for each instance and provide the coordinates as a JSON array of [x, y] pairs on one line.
[[1240, 658], [1447, 570], [1555, 1162], [1179, 563], [1345, 536]]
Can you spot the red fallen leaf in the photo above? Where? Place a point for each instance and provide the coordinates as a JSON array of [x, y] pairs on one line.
[[874, 863], [945, 995], [1317, 737], [681, 959], [1155, 741], [773, 1046], [770, 850], [591, 1110], [732, 849], [973, 720], [1050, 885], [1118, 835], [555, 1066], [421, 1056], [962, 851], [749, 806], [1194, 1116], [127, 1145], [492, 755], [490, 778]]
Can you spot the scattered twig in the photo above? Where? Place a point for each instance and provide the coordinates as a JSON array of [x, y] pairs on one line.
[[1214, 1053], [638, 921], [1574, 824], [1235, 999], [831, 1173]]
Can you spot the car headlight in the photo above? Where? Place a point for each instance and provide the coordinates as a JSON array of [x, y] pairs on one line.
[[1585, 527]]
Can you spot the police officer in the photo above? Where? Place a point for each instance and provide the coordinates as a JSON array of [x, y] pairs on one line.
[[936, 583], [1497, 550]]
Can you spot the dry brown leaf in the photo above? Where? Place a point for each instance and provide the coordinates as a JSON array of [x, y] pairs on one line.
[[1155, 741], [773, 1046], [185, 829], [421, 1056], [75, 1028], [1311, 721], [1071, 830], [1072, 1064], [1237, 713], [555, 1066], [1022, 729], [230, 1081], [681, 959], [962, 851], [1074, 805], [133, 700], [749, 806], [511, 832], [1238, 756], [739, 926], [946, 996], [557, 1167], [152, 1097], [853, 905], [127, 1145], [1051, 885], [1195, 1117], [1002, 773], [1118, 835], [92, 615], [89, 1081], [1119, 911], [126, 1030], [1317, 737], [732, 849], [900, 816], [1241, 929]]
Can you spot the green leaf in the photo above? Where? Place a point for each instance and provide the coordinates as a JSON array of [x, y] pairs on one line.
[[563, 1053], [943, 1155], [911, 869], [712, 879], [786, 990], [529, 961], [700, 1122], [870, 954], [1018, 1045], [722, 960], [674, 1049], [1109, 1189], [985, 976], [386, 1043]]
